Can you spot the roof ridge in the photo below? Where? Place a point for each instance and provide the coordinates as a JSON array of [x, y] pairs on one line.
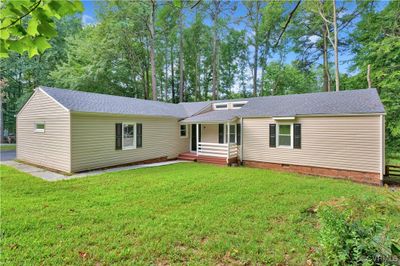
[[104, 94]]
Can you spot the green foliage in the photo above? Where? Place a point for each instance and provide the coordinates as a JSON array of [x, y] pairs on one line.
[[377, 43], [23, 74], [28, 25], [359, 231], [281, 79]]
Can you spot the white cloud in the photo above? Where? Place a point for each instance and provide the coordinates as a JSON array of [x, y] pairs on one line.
[[313, 38], [88, 20]]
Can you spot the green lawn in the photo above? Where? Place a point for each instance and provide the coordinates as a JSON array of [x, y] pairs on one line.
[[182, 213], [7, 147], [393, 158]]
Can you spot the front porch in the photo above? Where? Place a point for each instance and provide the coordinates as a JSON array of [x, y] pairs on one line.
[[217, 143]]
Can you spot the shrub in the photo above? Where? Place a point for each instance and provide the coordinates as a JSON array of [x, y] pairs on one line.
[[350, 237]]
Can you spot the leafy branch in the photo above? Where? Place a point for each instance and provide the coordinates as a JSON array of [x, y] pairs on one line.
[[33, 7]]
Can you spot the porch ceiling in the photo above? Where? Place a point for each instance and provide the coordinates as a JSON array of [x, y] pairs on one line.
[[213, 117]]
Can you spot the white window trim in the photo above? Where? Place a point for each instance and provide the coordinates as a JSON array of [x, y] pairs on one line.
[[291, 136], [134, 136], [37, 130], [226, 136], [186, 132]]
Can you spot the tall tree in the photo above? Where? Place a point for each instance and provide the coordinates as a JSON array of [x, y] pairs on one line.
[[152, 52], [327, 23], [376, 43], [216, 10], [181, 62], [254, 16]]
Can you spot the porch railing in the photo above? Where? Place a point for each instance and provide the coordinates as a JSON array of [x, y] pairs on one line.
[[224, 150]]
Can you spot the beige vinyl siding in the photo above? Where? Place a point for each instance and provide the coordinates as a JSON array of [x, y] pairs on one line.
[[209, 133], [52, 147], [93, 140], [347, 142]]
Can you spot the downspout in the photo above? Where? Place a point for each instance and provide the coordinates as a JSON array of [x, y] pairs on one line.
[[241, 140]]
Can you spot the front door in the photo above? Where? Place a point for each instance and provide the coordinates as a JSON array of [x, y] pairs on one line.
[[194, 136]]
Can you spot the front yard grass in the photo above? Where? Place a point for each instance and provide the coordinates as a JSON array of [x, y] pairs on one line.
[[7, 147], [177, 214]]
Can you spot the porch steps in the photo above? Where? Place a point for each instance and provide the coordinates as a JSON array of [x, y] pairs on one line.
[[188, 156], [211, 160]]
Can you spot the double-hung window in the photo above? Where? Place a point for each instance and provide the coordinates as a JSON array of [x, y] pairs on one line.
[[285, 132], [183, 131], [128, 141], [232, 133]]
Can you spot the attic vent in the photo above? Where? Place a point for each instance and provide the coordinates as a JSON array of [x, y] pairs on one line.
[[221, 106], [238, 105]]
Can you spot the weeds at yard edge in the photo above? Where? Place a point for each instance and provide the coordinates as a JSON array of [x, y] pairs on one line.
[[358, 231]]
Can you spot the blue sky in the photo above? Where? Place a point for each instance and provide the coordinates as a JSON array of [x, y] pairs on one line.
[[89, 17]]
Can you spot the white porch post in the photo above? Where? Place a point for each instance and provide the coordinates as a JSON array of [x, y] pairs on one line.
[[197, 139], [228, 141]]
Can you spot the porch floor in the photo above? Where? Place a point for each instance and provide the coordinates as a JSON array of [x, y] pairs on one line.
[[192, 156]]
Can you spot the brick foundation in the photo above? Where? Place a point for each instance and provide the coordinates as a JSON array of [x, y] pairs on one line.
[[356, 176]]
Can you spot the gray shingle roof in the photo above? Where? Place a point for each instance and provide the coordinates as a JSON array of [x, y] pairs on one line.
[[341, 102], [322, 103], [80, 101]]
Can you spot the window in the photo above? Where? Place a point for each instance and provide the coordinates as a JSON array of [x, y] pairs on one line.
[[39, 127], [221, 106], [232, 133], [238, 105], [183, 131], [128, 141], [285, 135]]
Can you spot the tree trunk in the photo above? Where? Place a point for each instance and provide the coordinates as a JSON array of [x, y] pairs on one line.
[[181, 64], [214, 66], [172, 75], [327, 81], [262, 81], [145, 83], [197, 75], [255, 70], [152, 53], [369, 76], [335, 29], [166, 75]]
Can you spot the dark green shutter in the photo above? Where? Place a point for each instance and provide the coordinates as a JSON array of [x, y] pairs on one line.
[[139, 134], [221, 133], [238, 133], [297, 136], [118, 136], [272, 135], [199, 132]]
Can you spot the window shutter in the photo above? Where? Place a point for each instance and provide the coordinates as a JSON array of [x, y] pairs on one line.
[[238, 133], [118, 136], [297, 136], [221, 133], [139, 134], [199, 132], [272, 135]]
